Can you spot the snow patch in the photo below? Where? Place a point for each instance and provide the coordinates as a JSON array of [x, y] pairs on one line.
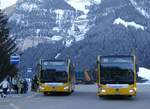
[[59, 13], [59, 16], [28, 7], [6, 3], [16, 17], [126, 24], [56, 29], [56, 38], [68, 42], [79, 37], [97, 1], [27, 43], [80, 5], [144, 73], [58, 54], [37, 32], [47, 38]]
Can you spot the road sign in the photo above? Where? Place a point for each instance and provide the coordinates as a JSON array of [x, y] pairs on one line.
[[14, 59], [29, 70]]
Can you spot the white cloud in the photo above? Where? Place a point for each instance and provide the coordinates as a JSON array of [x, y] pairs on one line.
[[126, 24]]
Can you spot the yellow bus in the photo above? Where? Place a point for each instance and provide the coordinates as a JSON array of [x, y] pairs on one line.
[[56, 76], [116, 75]]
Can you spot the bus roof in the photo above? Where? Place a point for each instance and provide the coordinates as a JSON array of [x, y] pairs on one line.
[[117, 59], [117, 56], [53, 60]]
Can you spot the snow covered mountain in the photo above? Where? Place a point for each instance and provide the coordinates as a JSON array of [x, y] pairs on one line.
[[81, 30], [119, 27], [53, 22]]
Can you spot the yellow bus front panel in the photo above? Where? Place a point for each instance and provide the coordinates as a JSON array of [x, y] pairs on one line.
[[50, 87], [129, 90]]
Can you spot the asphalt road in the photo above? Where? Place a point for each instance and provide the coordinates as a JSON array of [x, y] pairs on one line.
[[83, 98]]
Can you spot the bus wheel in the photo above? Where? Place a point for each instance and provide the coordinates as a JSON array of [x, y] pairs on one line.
[[67, 93], [72, 91], [45, 93], [100, 96]]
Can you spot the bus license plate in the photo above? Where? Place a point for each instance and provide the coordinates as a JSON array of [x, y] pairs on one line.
[[117, 93], [53, 88]]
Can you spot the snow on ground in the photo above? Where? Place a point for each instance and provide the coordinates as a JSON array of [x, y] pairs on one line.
[[126, 24], [6, 3], [144, 73]]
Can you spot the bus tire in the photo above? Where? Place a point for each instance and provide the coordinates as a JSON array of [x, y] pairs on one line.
[[45, 93], [72, 91], [130, 96]]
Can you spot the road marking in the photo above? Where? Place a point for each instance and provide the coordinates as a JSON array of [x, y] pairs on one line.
[[14, 106]]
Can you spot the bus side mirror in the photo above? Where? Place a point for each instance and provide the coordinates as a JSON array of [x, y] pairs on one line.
[[137, 68]]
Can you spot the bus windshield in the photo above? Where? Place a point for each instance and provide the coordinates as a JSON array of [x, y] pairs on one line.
[[58, 65], [54, 76], [117, 73]]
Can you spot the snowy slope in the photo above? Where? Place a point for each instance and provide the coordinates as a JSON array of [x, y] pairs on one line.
[[68, 25], [82, 5], [6, 3], [144, 73], [142, 11]]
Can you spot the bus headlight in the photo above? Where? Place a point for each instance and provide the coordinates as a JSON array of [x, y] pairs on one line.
[[135, 88], [131, 91], [41, 88], [103, 90], [66, 88]]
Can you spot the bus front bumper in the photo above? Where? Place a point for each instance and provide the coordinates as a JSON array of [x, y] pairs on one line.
[[129, 91], [54, 88]]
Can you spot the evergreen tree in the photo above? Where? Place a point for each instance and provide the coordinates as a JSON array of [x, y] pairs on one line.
[[7, 48]]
